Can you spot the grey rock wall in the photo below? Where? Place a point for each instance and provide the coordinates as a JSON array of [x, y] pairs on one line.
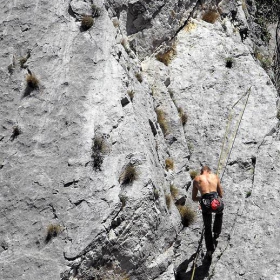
[[67, 142]]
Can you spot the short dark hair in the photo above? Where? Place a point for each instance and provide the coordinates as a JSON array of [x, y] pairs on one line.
[[205, 168]]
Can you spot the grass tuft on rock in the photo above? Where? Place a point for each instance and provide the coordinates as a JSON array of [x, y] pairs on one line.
[[32, 81], [168, 200], [139, 77], [169, 164], [96, 11], [162, 121], [188, 216], [131, 94], [211, 16], [97, 152], [87, 22], [123, 200], [129, 175], [52, 231], [183, 116], [167, 56]]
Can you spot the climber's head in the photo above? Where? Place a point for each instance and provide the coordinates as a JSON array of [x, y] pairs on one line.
[[206, 169]]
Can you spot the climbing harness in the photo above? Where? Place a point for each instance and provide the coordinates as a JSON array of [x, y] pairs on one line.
[[224, 155]]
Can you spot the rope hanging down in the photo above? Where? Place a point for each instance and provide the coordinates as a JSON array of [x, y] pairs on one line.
[[226, 151], [224, 155]]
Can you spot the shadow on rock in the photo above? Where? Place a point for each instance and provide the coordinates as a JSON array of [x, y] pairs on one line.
[[28, 90], [201, 272]]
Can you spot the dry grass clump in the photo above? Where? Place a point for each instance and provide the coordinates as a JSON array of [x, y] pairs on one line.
[[32, 81], [187, 215], [123, 200], [168, 200], [129, 175], [162, 121], [22, 61], [169, 164], [174, 191], [87, 22], [190, 26], [96, 12], [97, 152], [166, 56], [193, 174], [139, 77], [211, 16], [183, 116], [52, 231], [131, 94], [263, 59]]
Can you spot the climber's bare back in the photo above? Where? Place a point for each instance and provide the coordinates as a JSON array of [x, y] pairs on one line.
[[206, 183]]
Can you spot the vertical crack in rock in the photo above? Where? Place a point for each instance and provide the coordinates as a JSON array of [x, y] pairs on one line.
[[54, 211]]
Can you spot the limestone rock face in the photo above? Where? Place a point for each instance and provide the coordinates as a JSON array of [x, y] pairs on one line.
[[102, 126]]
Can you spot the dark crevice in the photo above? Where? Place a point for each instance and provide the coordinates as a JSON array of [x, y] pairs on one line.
[[154, 131], [79, 202], [71, 12], [74, 182], [54, 211]]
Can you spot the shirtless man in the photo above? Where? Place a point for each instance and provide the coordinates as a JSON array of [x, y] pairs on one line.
[[211, 192]]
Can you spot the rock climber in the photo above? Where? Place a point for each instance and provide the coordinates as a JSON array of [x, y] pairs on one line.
[[211, 193]]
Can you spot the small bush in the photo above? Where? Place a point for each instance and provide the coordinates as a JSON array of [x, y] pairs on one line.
[[264, 60], [139, 77], [131, 94], [22, 61], [168, 200], [96, 12], [211, 16], [32, 81], [97, 152], [162, 121], [52, 231], [169, 164], [229, 62], [248, 194], [187, 215], [174, 191], [183, 116], [87, 22], [167, 56], [123, 200], [129, 175], [16, 132], [193, 174]]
